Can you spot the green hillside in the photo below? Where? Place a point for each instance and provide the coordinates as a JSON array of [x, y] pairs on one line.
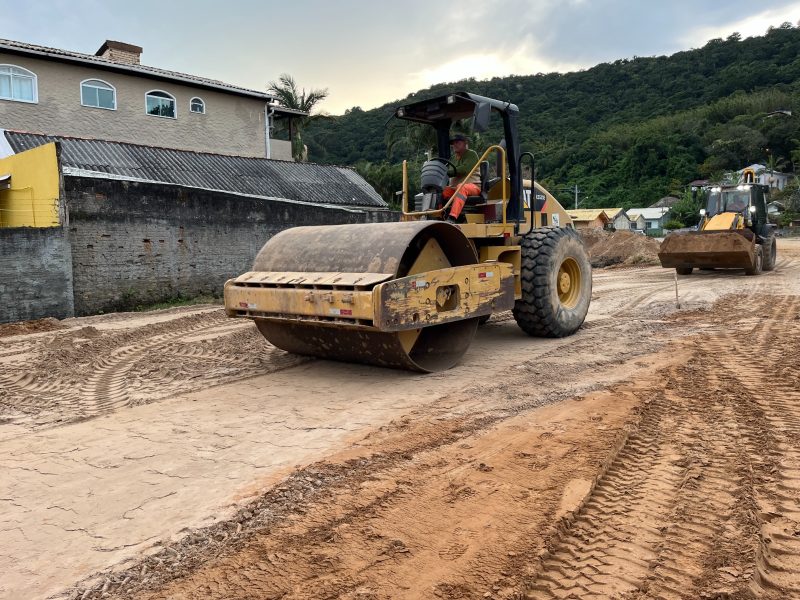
[[627, 132]]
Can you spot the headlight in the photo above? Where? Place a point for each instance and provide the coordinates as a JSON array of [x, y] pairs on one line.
[[401, 112], [702, 212], [451, 99], [752, 209]]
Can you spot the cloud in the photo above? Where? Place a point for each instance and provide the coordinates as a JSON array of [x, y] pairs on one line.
[[485, 65], [369, 53], [748, 26]]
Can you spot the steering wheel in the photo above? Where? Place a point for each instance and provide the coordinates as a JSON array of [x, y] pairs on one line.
[[449, 165]]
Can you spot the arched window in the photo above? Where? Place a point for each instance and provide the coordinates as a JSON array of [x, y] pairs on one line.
[[160, 104], [98, 94], [18, 84], [196, 105]]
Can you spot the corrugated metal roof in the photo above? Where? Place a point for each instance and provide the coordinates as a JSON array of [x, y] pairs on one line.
[[105, 63], [650, 214], [305, 182]]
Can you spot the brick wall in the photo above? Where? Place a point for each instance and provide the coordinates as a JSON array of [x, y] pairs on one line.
[[35, 274], [139, 243]]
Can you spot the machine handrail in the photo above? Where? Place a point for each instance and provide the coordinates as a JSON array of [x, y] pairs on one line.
[[438, 212]]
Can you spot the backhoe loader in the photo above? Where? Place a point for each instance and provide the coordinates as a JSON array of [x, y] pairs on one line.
[[733, 233], [411, 294]]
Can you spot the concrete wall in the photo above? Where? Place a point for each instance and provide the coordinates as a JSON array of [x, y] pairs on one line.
[[280, 150], [33, 199], [232, 124], [35, 274], [138, 243], [622, 223], [597, 223]]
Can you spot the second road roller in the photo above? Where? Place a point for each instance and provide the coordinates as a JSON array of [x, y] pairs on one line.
[[410, 294]]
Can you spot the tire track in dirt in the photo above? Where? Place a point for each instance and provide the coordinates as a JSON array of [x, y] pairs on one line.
[[637, 301], [424, 510], [687, 526], [653, 521], [107, 388], [696, 501], [612, 541], [776, 399], [85, 372]]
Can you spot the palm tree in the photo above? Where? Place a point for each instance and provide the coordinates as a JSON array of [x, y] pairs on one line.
[[288, 95], [795, 155], [773, 164], [410, 140]]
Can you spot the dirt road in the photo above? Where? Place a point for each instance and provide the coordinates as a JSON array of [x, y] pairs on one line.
[[176, 455]]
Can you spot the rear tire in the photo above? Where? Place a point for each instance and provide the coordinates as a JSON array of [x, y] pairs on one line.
[[770, 250], [684, 270], [759, 260], [556, 283]]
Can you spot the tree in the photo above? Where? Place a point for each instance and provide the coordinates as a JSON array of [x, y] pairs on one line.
[[773, 165], [796, 155], [288, 95], [687, 210], [630, 131], [409, 140]]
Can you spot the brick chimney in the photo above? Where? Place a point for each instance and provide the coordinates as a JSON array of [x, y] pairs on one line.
[[120, 52]]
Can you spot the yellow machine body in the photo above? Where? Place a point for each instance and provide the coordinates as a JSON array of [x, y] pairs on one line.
[[408, 294], [722, 241]]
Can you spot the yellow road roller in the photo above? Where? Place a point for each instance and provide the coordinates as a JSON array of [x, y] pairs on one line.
[[411, 294]]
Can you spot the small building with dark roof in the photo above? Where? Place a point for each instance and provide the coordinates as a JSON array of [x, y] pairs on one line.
[[91, 225], [322, 185]]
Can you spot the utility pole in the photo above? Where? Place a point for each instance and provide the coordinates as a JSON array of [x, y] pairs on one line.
[[576, 196]]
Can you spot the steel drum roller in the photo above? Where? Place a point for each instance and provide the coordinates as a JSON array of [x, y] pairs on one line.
[[400, 249]]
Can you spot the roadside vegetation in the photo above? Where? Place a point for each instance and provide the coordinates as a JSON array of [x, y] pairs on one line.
[[627, 132]]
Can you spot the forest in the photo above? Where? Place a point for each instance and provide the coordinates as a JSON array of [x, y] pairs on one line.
[[626, 133]]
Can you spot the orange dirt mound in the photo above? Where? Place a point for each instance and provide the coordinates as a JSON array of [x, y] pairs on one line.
[[23, 327], [619, 248]]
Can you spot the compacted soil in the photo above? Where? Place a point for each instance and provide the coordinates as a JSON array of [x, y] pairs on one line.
[[175, 454]]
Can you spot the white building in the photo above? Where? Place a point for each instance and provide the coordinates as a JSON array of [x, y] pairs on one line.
[[774, 180], [654, 218], [619, 220]]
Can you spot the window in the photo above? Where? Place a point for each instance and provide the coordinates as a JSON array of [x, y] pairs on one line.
[[98, 94], [17, 84], [160, 104], [197, 106]]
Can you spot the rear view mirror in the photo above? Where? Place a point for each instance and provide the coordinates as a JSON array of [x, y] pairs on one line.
[[480, 118]]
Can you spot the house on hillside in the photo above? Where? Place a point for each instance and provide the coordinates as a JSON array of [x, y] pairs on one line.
[[589, 218], [637, 221], [775, 208], [618, 219], [111, 96], [651, 219], [698, 184], [774, 180]]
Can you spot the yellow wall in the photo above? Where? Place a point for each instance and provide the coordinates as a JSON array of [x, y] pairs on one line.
[[33, 199]]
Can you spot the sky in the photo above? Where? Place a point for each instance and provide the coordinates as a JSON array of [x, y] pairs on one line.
[[369, 53]]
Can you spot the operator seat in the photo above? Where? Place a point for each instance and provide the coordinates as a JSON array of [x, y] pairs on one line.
[[486, 185]]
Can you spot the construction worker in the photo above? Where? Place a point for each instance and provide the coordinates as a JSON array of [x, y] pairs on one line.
[[464, 159]]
